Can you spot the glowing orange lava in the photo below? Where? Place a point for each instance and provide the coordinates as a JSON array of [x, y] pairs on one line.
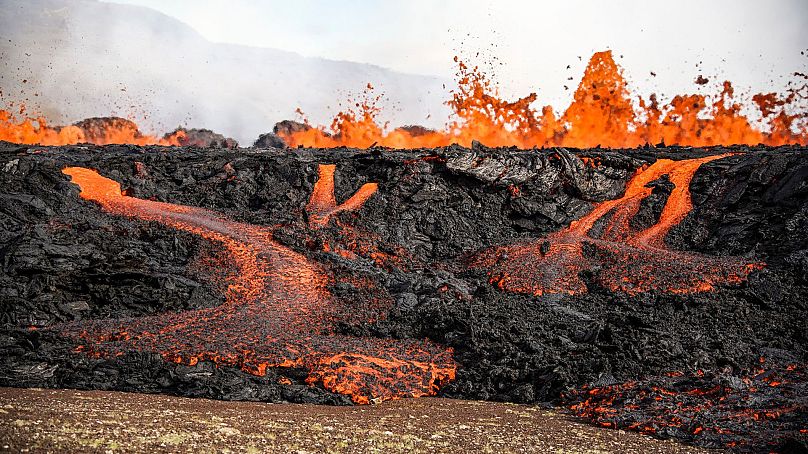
[[35, 131], [278, 311], [700, 406], [322, 204], [624, 259], [602, 113]]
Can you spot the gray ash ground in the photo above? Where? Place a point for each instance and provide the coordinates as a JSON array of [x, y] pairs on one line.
[[63, 259]]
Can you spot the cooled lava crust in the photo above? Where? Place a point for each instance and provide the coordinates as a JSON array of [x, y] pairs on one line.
[[660, 289]]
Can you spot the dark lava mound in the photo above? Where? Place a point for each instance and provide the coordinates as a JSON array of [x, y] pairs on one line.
[[660, 290]]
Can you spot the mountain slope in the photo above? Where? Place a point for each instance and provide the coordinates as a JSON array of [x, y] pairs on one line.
[[74, 59]]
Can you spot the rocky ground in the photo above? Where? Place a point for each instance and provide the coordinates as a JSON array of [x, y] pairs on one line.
[[65, 260], [38, 420]]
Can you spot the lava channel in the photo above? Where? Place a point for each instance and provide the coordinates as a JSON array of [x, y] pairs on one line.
[[620, 258], [278, 313]]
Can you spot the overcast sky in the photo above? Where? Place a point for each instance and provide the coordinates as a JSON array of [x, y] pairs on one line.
[[754, 43]]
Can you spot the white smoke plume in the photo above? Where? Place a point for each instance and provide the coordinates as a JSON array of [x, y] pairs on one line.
[[73, 59]]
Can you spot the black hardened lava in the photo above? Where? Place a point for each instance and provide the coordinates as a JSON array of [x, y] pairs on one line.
[[724, 368]]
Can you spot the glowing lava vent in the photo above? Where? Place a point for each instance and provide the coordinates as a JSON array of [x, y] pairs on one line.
[[278, 311], [620, 258]]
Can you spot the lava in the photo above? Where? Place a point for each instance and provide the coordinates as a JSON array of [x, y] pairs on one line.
[[762, 408], [603, 113], [619, 258], [278, 310], [322, 204], [98, 131]]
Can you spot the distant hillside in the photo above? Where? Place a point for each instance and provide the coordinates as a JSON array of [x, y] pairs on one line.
[[73, 59]]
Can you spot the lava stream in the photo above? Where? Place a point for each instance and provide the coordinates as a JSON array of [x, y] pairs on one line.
[[623, 259], [763, 407], [278, 313], [322, 204]]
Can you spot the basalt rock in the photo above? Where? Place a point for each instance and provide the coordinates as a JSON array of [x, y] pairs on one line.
[[289, 127], [66, 260], [201, 138], [416, 130], [269, 140]]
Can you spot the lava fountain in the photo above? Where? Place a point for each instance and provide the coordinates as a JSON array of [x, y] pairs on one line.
[[603, 113]]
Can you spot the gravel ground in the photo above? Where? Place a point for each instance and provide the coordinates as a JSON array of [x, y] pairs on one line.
[[39, 420]]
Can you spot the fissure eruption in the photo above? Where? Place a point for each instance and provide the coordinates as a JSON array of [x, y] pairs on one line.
[[604, 112]]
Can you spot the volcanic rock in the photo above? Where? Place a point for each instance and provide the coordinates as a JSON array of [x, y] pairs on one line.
[[202, 138], [97, 129], [67, 261], [269, 140], [289, 127], [416, 130]]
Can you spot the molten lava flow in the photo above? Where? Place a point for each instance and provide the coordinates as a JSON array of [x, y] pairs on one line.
[[278, 312], [621, 259], [754, 413], [99, 131], [602, 113], [348, 241], [322, 204]]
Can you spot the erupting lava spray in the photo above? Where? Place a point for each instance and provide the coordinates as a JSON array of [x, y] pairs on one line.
[[99, 131], [603, 112], [278, 310]]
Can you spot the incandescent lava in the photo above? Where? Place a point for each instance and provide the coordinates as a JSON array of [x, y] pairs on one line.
[[278, 310], [620, 259]]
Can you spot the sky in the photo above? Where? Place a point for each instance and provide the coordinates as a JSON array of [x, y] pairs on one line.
[[527, 45]]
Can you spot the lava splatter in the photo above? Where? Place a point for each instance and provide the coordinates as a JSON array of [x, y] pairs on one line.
[[99, 131], [603, 113]]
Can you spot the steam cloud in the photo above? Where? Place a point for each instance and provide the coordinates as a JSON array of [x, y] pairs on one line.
[[69, 60]]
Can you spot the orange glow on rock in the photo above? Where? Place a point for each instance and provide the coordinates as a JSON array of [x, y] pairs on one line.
[[624, 260], [278, 312]]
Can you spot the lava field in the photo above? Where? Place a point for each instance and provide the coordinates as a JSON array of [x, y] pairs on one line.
[[658, 289]]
